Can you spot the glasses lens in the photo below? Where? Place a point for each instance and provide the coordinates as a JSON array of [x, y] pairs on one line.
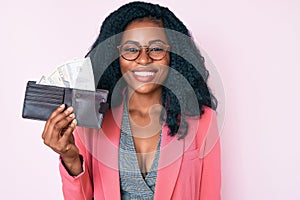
[[129, 51], [157, 51]]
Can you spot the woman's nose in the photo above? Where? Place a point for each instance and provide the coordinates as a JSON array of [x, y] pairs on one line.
[[143, 58]]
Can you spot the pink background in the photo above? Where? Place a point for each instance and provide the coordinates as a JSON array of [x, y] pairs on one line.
[[253, 44]]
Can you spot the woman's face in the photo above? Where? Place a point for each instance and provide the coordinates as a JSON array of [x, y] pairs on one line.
[[144, 74]]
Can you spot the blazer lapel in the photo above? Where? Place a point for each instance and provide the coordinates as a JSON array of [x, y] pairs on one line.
[[108, 143], [170, 160], [169, 165]]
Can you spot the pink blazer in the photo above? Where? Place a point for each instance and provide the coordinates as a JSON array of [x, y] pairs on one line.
[[188, 169]]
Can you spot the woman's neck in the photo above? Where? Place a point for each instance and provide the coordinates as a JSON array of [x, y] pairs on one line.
[[144, 115], [142, 103], [144, 109]]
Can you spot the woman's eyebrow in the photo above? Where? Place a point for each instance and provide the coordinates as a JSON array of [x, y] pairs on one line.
[[156, 41], [137, 43], [131, 42]]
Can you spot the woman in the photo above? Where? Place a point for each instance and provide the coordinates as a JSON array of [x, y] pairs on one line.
[[159, 139]]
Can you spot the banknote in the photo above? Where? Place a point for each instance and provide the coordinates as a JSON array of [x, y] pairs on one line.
[[55, 79], [76, 73], [43, 81], [63, 73], [85, 76]]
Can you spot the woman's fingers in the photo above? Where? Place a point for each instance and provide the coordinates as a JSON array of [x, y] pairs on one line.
[[65, 146], [53, 115], [58, 135], [57, 123], [58, 131], [67, 142], [67, 137], [62, 125]]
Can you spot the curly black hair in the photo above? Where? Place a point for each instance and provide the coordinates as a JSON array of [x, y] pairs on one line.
[[185, 59]]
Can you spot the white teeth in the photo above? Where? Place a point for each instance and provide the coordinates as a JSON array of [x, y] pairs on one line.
[[144, 73]]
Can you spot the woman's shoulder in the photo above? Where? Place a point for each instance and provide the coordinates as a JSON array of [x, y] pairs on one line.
[[204, 123], [207, 115], [202, 128]]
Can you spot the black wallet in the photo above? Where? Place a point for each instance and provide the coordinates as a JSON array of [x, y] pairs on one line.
[[41, 100]]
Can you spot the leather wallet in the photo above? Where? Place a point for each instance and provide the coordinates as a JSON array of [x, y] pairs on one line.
[[41, 100]]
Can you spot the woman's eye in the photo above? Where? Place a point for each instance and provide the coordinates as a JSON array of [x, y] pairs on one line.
[[156, 49], [131, 50]]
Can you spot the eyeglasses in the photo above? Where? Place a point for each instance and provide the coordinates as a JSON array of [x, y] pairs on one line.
[[131, 51]]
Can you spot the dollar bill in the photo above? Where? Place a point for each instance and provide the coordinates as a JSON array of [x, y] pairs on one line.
[[77, 73], [55, 79], [85, 77], [64, 75], [73, 69], [43, 81]]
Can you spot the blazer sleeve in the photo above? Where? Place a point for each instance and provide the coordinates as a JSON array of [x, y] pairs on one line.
[[78, 187], [211, 168]]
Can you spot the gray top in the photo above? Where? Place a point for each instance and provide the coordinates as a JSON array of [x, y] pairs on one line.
[[133, 184]]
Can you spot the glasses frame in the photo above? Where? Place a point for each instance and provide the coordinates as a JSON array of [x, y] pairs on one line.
[[146, 47]]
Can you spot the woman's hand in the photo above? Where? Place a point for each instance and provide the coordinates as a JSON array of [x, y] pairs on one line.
[[58, 136]]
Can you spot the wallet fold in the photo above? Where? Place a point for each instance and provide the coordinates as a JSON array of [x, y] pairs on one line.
[[41, 100]]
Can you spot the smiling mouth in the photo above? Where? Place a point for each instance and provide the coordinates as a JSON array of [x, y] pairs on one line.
[[144, 73]]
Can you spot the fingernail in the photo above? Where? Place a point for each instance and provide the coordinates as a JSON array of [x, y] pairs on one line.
[[62, 105], [69, 110], [72, 115], [74, 121]]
